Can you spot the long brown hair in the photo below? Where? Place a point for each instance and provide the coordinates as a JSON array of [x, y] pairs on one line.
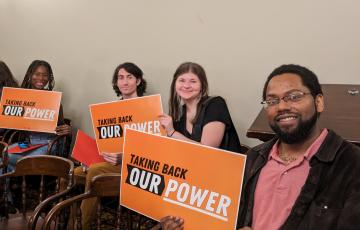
[[6, 77], [175, 107], [30, 71]]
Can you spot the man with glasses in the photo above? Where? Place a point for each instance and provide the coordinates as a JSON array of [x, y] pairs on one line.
[[306, 177]]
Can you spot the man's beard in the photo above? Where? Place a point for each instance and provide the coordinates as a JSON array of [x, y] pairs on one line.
[[301, 132]]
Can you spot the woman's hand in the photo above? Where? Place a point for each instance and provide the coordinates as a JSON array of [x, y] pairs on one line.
[[166, 122], [172, 223], [63, 130], [112, 158]]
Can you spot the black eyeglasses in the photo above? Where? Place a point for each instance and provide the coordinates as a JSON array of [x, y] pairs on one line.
[[291, 97]]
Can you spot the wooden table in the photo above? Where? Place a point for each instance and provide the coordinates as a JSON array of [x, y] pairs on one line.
[[342, 114]]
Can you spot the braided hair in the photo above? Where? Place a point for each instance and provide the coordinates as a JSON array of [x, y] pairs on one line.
[[31, 70]]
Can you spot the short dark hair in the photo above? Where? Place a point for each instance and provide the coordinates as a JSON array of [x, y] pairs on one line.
[[134, 70], [308, 78], [31, 70]]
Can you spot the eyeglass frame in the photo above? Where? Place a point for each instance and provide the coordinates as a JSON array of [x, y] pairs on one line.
[[286, 98]]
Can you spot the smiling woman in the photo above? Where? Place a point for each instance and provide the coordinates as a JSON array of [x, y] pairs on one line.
[[39, 76], [196, 117]]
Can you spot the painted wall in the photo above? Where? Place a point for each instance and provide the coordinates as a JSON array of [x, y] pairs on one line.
[[237, 42]]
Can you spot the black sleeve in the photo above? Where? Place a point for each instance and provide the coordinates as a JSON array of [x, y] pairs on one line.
[[217, 110]]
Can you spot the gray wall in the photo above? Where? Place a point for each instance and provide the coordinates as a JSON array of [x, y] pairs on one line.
[[238, 43]]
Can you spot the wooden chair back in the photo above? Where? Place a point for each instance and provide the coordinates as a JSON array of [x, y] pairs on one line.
[[14, 137], [43, 166], [59, 146], [105, 185], [9, 135], [3, 156], [3, 169]]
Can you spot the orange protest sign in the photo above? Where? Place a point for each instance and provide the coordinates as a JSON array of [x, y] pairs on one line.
[[112, 118], [161, 176], [29, 109]]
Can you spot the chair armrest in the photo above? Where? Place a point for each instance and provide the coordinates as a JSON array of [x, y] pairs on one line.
[[36, 213], [57, 208], [4, 156], [53, 143], [6, 135], [9, 174], [13, 137]]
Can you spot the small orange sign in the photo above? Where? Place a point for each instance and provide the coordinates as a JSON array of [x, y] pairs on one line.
[[29, 109], [161, 176], [112, 118]]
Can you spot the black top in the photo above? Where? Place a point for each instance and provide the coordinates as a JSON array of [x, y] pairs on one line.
[[215, 110]]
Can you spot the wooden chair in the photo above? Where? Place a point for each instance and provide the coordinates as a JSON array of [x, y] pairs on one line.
[[9, 136], [66, 142], [3, 156], [106, 185], [43, 166], [3, 169], [59, 146], [14, 137], [133, 220]]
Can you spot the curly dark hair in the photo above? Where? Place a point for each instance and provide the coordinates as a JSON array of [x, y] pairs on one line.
[[31, 70], [136, 72]]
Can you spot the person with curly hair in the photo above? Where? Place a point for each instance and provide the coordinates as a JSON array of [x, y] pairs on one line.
[[127, 82]]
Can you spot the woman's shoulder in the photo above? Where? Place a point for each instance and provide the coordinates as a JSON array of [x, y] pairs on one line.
[[216, 109], [215, 101]]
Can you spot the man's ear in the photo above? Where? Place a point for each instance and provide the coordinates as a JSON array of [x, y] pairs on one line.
[[319, 102], [138, 81]]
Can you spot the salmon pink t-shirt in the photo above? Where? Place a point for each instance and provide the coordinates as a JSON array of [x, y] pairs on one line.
[[279, 185]]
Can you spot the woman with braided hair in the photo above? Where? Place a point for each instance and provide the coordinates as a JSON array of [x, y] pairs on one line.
[[39, 76]]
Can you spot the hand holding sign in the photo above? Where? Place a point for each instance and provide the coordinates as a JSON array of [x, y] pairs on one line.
[[186, 179], [166, 122], [29, 109], [63, 130], [113, 158], [172, 223]]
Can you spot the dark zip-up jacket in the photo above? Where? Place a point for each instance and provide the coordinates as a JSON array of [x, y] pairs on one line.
[[330, 197]]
